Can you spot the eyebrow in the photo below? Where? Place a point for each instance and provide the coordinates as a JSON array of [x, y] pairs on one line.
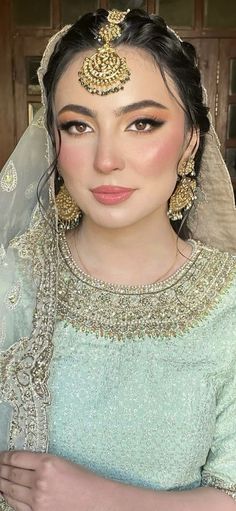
[[139, 104], [79, 109]]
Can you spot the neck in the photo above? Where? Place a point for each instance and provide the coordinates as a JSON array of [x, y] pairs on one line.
[[138, 254]]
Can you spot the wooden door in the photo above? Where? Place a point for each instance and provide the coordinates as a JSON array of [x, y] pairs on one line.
[[27, 55], [226, 109], [207, 52], [7, 118]]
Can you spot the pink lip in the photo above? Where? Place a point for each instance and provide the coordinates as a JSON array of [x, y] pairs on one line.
[[109, 195], [111, 189]]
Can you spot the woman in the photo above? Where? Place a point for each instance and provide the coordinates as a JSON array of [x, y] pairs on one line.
[[118, 334]]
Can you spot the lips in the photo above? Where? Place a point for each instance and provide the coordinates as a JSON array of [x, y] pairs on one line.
[[109, 195]]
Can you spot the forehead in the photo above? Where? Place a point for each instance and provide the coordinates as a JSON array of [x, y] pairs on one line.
[[146, 82]]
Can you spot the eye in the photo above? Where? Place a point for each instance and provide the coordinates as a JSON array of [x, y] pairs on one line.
[[75, 127], [145, 125]]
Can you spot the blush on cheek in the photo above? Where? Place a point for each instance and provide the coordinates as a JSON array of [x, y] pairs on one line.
[[160, 157], [71, 159]]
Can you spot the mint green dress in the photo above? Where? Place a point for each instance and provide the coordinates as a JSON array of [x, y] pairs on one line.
[[140, 385]]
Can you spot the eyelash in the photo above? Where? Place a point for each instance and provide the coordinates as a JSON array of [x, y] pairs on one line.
[[153, 122], [66, 126]]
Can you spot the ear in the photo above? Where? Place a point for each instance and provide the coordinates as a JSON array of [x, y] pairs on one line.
[[191, 145]]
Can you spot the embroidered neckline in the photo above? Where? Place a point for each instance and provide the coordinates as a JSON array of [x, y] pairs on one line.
[[163, 309]]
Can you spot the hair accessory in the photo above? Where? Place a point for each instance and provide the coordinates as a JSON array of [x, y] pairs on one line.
[[69, 213], [184, 195], [105, 71]]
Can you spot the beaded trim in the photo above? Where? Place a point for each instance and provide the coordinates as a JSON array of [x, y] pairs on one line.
[[13, 296], [219, 484], [8, 180], [24, 367], [164, 309], [4, 506]]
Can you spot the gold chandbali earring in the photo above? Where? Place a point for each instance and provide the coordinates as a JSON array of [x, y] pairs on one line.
[[105, 71], [184, 195], [69, 213]]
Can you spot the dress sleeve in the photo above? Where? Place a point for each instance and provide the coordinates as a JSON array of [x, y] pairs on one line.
[[219, 470]]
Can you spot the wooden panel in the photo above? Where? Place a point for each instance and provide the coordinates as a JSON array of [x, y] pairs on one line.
[[227, 52], [218, 14], [104, 4], [24, 47], [208, 60], [7, 120], [20, 86], [56, 13], [31, 14], [199, 13], [177, 13], [151, 6], [207, 51]]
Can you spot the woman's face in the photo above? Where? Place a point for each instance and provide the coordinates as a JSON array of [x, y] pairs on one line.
[[119, 153]]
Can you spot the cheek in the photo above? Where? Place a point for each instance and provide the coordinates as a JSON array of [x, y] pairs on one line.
[[71, 158], [157, 156]]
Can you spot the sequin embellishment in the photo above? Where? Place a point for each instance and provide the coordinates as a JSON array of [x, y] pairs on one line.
[[216, 482], [39, 122], [2, 332], [162, 309], [30, 190], [24, 367], [9, 178], [2, 254], [13, 296], [4, 506]]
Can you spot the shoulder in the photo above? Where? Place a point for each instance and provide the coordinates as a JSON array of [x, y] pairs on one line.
[[218, 266], [207, 290], [214, 282]]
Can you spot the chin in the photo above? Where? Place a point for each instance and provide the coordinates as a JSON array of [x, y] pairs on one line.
[[114, 224], [113, 220]]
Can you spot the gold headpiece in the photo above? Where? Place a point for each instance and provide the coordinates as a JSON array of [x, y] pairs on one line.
[[105, 71]]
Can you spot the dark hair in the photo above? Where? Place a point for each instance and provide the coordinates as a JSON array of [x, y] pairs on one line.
[[174, 58]]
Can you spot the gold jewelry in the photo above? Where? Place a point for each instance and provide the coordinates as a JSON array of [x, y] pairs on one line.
[[187, 168], [184, 195], [69, 212], [105, 71]]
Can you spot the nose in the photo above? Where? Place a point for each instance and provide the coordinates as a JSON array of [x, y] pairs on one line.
[[108, 155]]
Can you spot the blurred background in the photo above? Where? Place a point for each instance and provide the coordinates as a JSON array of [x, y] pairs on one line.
[[26, 26]]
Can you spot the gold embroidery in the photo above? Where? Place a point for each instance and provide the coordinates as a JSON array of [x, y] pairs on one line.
[[220, 484], [2, 254], [30, 190], [163, 309], [2, 332], [39, 122], [13, 297], [24, 367], [4, 506], [9, 178], [118, 312]]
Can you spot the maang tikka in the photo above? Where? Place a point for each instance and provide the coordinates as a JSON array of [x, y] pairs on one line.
[[184, 194], [105, 71]]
